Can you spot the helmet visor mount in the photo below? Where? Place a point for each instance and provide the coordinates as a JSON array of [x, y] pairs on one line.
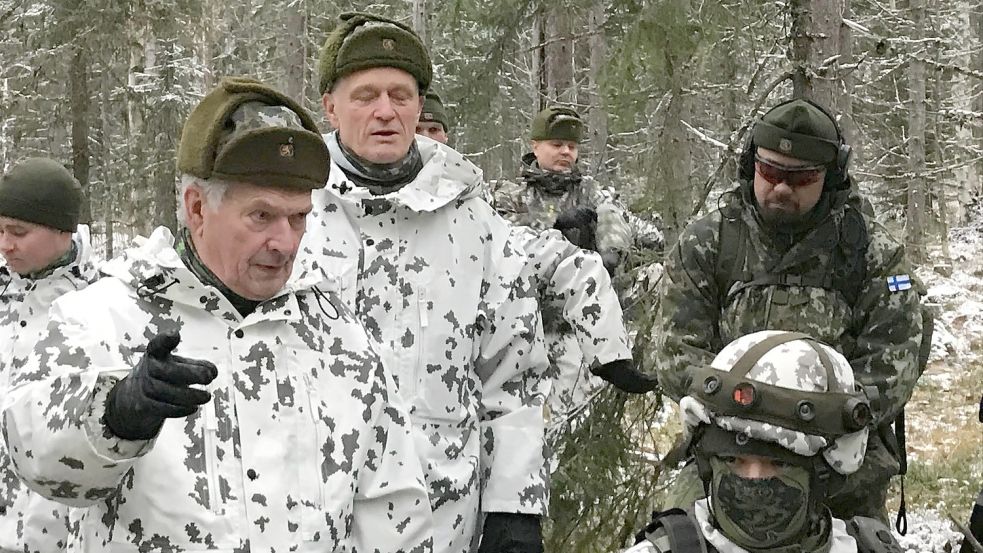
[[829, 414]]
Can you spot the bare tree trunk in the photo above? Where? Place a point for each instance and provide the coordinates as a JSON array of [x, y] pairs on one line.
[[164, 184], [294, 44], [421, 19], [815, 45], [848, 124], [538, 71], [915, 227], [80, 126], [559, 56], [109, 193], [598, 116]]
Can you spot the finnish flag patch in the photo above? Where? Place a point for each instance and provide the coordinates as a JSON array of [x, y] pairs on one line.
[[898, 283]]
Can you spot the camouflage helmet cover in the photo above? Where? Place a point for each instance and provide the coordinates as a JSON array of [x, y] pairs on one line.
[[787, 389]]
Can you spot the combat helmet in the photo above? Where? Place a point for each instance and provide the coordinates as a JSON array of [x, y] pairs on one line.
[[783, 396]]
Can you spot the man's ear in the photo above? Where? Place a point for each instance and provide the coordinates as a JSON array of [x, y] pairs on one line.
[[194, 206], [327, 102]]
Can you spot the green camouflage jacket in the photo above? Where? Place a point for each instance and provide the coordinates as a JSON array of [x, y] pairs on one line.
[[879, 332], [537, 199]]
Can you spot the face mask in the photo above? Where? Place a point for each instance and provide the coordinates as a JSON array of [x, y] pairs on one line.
[[760, 513]]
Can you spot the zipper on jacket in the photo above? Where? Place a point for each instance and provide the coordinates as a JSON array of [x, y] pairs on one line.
[[316, 421], [211, 458]]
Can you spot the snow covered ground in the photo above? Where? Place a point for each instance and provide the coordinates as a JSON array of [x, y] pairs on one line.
[[945, 439]]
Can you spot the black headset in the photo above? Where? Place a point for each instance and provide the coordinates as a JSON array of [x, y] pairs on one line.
[[838, 175]]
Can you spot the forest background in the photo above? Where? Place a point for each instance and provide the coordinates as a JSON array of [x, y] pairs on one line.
[[668, 87]]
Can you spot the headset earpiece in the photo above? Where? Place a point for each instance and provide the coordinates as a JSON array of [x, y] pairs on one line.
[[745, 167]]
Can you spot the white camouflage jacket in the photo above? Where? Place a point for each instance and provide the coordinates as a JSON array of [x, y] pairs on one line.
[[303, 447], [582, 317], [440, 288], [28, 522]]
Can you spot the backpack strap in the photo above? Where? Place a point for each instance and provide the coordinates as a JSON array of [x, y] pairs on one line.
[[679, 529], [872, 536], [731, 255], [853, 236]]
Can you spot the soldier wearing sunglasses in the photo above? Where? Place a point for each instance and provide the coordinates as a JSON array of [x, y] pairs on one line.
[[790, 248]]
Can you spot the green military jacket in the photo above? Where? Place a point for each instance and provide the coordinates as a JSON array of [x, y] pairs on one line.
[[879, 330], [540, 196]]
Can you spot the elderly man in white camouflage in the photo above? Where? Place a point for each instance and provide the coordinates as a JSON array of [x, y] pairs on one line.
[[438, 287], [195, 397], [46, 254]]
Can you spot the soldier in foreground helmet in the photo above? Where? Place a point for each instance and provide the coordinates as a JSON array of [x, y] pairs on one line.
[[208, 391], [774, 420], [434, 275], [46, 253], [792, 248]]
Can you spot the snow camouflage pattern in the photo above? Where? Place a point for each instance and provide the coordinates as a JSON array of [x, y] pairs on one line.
[[299, 367], [794, 365], [582, 318], [439, 285], [879, 334], [839, 541], [30, 523]]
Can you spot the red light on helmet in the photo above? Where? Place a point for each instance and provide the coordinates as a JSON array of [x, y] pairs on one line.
[[744, 394]]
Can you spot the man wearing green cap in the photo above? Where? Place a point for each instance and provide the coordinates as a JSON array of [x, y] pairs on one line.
[[433, 273], [433, 119], [208, 391], [46, 254], [553, 196], [790, 248], [552, 192]]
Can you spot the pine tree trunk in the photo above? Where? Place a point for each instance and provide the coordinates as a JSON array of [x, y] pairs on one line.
[[815, 41], [295, 55], [420, 21], [915, 227], [559, 56], [848, 125], [598, 116], [164, 182], [79, 86]]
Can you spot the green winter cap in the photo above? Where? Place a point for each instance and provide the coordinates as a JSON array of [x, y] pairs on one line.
[[557, 123], [800, 129], [245, 131], [433, 110], [363, 41], [41, 191]]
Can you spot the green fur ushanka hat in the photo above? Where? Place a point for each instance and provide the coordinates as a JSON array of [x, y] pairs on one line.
[[245, 131], [557, 123], [363, 41]]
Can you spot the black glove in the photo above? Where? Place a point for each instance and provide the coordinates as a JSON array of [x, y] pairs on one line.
[[511, 533], [158, 388], [579, 226], [622, 375]]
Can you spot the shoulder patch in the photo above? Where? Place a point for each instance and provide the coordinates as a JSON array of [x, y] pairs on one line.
[[898, 283]]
